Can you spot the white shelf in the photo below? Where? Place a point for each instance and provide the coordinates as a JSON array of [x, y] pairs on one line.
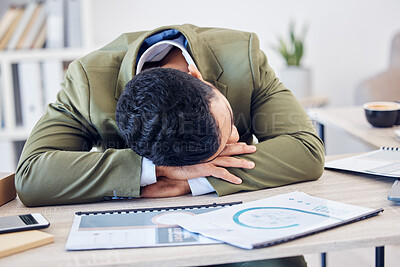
[[18, 134], [42, 54], [11, 132]]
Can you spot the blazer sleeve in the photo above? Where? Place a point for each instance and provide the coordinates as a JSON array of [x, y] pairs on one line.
[[289, 149], [56, 165]]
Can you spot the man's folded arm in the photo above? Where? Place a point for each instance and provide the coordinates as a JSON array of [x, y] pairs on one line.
[[55, 166], [280, 161], [289, 149]]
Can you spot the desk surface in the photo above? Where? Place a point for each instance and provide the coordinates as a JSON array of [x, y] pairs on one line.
[[352, 121], [362, 190]]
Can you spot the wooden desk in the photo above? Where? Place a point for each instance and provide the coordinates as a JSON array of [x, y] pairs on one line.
[[351, 120], [348, 188]]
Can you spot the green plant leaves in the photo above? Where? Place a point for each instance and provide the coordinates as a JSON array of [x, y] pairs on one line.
[[292, 50]]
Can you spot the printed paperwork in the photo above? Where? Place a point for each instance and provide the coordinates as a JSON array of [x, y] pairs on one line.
[[273, 220], [151, 227]]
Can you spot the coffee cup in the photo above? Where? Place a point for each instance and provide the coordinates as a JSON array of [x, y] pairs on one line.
[[382, 113]]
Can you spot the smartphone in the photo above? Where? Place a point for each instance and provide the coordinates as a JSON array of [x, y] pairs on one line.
[[22, 222]]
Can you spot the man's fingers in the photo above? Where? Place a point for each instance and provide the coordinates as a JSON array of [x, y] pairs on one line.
[[233, 162], [224, 174], [238, 149]]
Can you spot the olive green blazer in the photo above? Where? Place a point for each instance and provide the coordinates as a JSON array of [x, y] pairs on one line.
[[58, 165]]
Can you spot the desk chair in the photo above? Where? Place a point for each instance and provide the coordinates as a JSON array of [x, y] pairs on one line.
[[384, 86]]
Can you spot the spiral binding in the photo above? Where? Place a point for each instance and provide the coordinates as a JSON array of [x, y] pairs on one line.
[[390, 148], [79, 213]]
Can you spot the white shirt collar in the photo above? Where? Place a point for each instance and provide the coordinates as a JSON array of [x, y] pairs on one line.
[[159, 50]]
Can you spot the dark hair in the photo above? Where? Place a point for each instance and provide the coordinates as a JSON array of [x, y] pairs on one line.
[[164, 115]]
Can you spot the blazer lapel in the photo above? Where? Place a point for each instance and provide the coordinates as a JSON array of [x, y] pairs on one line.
[[207, 63]]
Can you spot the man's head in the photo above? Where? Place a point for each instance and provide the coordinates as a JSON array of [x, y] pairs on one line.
[[166, 116]]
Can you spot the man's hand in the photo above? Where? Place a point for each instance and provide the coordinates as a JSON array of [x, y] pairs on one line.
[[215, 168], [165, 187]]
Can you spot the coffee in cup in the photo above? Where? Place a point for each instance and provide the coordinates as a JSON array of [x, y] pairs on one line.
[[382, 113]]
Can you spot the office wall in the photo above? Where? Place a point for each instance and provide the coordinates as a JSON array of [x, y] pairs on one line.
[[347, 41]]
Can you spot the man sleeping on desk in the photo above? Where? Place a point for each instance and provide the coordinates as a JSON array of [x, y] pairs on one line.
[[171, 111]]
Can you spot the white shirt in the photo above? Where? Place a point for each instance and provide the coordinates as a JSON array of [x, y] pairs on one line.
[[157, 52]]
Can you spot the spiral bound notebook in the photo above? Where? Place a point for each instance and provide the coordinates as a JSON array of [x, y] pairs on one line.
[[384, 162], [133, 228]]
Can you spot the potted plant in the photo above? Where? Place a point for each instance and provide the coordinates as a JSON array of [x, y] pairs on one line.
[[294, 76]]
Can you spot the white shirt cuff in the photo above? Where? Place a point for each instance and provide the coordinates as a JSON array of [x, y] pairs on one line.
[[200, 186], [148, 175]]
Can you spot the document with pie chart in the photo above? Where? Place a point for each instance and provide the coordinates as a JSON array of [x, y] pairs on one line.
[[150, 227], [273, 220]]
